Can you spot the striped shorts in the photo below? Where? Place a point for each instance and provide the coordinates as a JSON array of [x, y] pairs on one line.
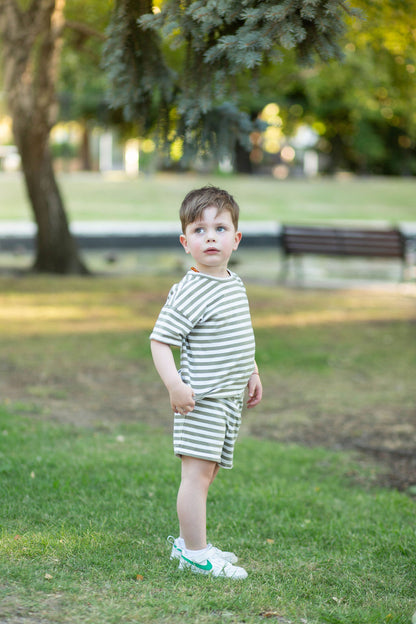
[[209, 431]]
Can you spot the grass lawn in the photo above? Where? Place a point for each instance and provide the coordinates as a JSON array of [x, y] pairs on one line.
[[158, 197], [85, 514], [89, 481]]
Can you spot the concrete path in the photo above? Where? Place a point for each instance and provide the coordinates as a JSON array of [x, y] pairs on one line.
[[130, 234]]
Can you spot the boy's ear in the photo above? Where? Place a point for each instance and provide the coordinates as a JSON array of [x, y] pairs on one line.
[[237, 240], [184, 242]]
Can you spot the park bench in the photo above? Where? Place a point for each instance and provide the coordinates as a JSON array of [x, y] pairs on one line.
[[299, 240]]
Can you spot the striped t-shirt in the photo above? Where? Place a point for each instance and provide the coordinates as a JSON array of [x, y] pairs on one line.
[[209, 319]]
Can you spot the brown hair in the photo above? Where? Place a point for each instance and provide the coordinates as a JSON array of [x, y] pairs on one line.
[[198, 200]]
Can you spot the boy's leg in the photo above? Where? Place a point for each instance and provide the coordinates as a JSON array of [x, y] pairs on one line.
[[197, 476], [214, 474]]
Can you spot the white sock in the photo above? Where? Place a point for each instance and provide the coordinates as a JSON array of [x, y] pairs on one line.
[[181, 543], [197, 555]]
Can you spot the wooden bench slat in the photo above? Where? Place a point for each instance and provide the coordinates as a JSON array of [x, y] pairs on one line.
[[297, 240], [343, 242]]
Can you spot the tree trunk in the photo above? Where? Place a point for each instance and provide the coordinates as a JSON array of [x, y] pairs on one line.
[[242, 160], [31, 48], [86, 160], [56, 248]]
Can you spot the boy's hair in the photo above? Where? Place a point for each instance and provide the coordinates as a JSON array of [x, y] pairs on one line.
[[198, 200]]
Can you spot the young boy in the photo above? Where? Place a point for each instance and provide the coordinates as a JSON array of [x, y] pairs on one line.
[[207, 316]]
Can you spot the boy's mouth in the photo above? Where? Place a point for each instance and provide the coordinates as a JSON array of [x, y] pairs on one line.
[[211, 250]]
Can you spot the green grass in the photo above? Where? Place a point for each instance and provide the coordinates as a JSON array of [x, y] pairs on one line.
[[86, 507], [85, 514], [158, 197]]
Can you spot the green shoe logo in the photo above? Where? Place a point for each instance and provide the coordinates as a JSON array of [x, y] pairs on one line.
[[207, 567]]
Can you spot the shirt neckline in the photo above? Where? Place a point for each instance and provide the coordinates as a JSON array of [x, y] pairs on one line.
[[195, 270]]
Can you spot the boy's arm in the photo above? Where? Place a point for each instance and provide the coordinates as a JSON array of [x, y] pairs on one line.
[[255, 388], [181, 395]]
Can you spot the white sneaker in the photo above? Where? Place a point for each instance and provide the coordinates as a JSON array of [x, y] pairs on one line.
[[177, 551], [212, 564]]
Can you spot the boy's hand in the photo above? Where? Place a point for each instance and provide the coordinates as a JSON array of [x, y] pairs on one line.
[[181, 397], [255, 390]]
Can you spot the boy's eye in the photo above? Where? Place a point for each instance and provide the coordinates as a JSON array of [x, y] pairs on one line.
[[220, 228], [198, 230]]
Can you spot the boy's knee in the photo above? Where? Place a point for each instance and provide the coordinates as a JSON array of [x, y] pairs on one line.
[[199, 470]]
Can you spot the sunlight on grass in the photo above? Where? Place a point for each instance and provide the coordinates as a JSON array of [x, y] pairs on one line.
[[117, 305], [62, 319], [303, 319]]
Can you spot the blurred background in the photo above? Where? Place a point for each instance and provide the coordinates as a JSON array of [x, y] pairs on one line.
[[111, 111]]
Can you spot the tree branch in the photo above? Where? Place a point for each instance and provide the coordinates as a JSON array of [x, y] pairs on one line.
[[9, 14], [84, 29]]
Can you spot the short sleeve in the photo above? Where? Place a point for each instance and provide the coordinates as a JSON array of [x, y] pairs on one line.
[[183, 309]]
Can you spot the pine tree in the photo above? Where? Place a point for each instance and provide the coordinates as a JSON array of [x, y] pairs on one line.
[[189, 82]]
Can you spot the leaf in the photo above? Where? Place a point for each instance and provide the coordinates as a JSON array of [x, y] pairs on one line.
[[139, 577], [48, 577]]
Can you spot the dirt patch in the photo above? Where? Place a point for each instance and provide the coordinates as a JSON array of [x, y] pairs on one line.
[[388, 443], [104, 395], [13, 610]]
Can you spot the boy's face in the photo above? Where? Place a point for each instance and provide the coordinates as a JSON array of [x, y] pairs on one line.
[[211, 240]]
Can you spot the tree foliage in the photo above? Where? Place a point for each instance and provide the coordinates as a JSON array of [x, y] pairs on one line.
[[81, 86], [361, 106], [178, 69], [181, 66]]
